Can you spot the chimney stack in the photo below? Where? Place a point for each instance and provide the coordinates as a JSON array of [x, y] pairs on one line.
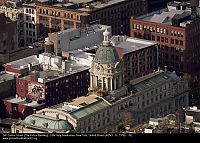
[[57, 116]]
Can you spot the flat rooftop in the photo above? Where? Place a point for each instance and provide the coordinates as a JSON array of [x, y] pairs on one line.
[[84, 100], [90, 109], [49, 75], [134, 44], [29, 4], [83, 5], [99, 5], [81, 54], [82, 106], [15, 100], [163, 16], [5, 77], [152, 80], [18, 64]]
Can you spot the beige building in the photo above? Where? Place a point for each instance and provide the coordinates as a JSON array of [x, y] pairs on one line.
[[37, 123], [30, 27], [25, 15], [109, 101], [15, 14]]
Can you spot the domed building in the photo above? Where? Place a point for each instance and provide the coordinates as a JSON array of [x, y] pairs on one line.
[[37, 123], [106, 73]]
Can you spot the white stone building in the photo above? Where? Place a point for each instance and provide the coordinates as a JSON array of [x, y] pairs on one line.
[[30, 27], [74, 39], [154, 95]]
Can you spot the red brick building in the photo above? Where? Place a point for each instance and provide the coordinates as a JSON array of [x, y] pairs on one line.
[[39, 89], [178, 35], [53, 17]]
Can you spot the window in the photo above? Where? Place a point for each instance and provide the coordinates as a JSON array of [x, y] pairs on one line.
[[172, 41], [143, 104], [166, 40], [17, 131], [151, 100], [158, 38], [156, 98], [33, 18], [176, 41], [181, 42], [147, 102], [103, 114]]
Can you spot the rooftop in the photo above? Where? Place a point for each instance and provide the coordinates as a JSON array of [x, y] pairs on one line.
[[164, 16], [82, 5], [49, 75], [95, 5], [134, 44], [5, 77], [46, 122], [152, 80], [90, 109], [81, 54], [84, 100], [19, 64], [29, 4], [33, 104]]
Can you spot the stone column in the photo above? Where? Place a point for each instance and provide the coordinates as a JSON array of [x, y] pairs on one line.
[[106, 83], [62, 25], [91, 81], [115, 83], [50, 25], [74, 24], [120, 81], [96, 82], [102, 84], [111, 84]]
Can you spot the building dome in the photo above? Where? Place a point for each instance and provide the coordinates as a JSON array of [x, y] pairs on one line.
[[106, 55], [46, 122]]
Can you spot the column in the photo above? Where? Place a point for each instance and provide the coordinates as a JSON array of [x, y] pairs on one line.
[[120, 81], [106, 83], [102, 83], [96, 82], [62, 25], [115, 83], [74, 24], [111, 84], [91, 81], [50, 23]]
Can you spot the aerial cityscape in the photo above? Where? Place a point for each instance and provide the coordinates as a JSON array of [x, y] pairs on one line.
[[99, 66]]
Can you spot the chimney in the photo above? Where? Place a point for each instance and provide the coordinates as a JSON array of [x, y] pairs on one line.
[[165, 68], [30, 67], [57, 116], [34, 111], [34, 75]]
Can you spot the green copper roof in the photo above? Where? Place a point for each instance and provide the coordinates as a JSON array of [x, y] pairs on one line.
[[89, 109], [46, 122], [106, 55]]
